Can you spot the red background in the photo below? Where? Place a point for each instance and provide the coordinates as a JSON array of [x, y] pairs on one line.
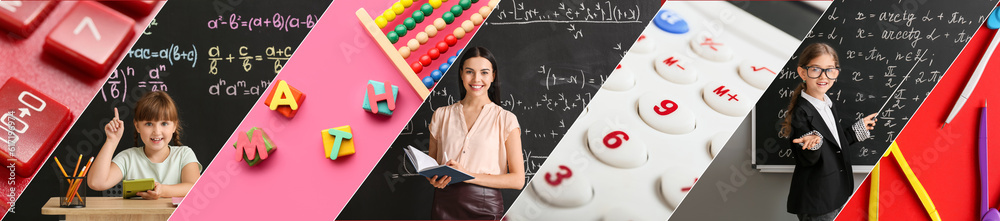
[[944, 159]]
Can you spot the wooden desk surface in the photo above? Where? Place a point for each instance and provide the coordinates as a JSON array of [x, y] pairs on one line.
[[111, 206]]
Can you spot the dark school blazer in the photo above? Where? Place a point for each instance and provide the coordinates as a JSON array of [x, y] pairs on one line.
[[823, 179]]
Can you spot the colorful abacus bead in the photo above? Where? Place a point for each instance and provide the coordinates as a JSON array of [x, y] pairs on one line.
[[457, 10], [392, 36], [436, 75], [397, 8], [418, 16], [444, 68], [429, 82], [451, 40], [417, 67], [427, 9], [425, 60], [410, 23], [381, 22], [466, 4], [434, 53], [448, 17], [389, 15], [400, 30], [442, 46]]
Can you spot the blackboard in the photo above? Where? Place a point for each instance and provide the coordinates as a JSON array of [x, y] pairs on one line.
[[892, 53], [552, 58], [191, 50]]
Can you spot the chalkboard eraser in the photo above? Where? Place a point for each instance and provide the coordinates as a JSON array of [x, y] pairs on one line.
[[285, 99]]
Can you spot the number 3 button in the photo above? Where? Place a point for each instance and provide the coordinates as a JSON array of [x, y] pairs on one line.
[[615, 145], [561, 187], [90, 37]]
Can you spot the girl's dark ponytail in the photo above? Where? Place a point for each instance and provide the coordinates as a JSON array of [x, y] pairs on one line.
[[786, 125]]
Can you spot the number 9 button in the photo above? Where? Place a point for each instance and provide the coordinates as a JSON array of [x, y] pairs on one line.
[[665, 114]]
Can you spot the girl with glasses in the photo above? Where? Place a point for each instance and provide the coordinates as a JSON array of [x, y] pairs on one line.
[[822, 181]]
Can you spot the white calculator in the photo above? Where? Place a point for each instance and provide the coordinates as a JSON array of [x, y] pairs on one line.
[[688, 81]]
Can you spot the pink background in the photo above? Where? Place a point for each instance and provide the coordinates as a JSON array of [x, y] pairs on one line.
[[332, 67]]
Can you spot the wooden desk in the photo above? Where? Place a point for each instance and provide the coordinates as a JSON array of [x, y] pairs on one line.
[[113, 208]]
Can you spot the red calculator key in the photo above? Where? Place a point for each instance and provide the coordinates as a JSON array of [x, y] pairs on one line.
[[135, 8], [90, 37], [32, 125], [22, 17]]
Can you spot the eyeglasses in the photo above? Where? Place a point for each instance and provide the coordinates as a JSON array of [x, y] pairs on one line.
[[814, 72]]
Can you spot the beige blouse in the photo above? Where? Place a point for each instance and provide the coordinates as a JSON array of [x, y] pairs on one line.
[[480, 149]]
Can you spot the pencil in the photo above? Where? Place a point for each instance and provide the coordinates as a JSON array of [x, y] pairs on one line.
[[78, 182], [78, 160], [61, 167]]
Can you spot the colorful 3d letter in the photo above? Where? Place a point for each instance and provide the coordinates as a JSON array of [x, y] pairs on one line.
[[285, 99], [378, 99], [254, 147], [338, 142]]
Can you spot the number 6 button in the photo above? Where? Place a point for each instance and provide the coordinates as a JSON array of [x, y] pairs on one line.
[[663, 113], [616, 145], [561, 187], [90, 37]]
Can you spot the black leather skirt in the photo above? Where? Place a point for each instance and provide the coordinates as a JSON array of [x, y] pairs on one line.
[[463, 201]]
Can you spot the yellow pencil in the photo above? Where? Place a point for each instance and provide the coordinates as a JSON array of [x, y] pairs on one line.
[[76, 185], [78, 159], [61, 167]]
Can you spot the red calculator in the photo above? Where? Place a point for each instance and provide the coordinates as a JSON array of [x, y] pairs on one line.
[[56, 55], [63, 51]]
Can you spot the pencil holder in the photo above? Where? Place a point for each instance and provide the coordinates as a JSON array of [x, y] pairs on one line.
[[72, 193]]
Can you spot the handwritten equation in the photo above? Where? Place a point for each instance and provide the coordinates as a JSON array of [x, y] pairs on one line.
[[245, 55], [117, 85], [574, 16], [277, 21], [238, 87], [171, 54]]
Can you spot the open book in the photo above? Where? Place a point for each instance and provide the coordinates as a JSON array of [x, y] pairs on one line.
[[428, 167]]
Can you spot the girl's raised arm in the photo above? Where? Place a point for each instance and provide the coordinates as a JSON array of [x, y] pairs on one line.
[[103, 173]]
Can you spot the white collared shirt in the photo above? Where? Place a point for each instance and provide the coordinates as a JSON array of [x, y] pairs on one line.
[[825, 111]]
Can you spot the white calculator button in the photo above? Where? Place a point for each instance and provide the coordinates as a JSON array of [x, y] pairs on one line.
[[562, 186], [621, 79], [615, 144], [728, 98], [675, 184], [718, 141], [710, 47], [676, 68], [643, 45], [660, 111], [756, 74]]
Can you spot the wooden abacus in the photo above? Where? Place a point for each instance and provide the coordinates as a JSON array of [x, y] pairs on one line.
[[398, 57]]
